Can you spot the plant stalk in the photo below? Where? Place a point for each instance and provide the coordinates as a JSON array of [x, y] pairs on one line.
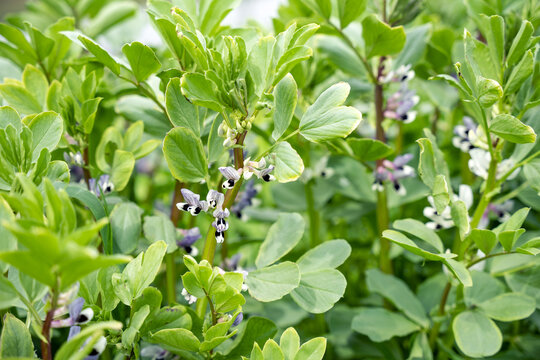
[[170, 264], [46, 350]]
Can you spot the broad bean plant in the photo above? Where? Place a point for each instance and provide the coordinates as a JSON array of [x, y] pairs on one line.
[[354, 180]]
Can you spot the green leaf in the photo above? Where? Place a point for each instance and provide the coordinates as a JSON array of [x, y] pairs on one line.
[[460, 271], [512, 129], [122, 167], [509, 307], [139, 273], [8, 116], [285, 98], [421, 231], [515, 221], [519, 74], [259, 61], [271, 350], [420, 349], [350, 10], [129, 335], [408, 244], [201, 91], [341, 55], [520, 43], [27, 263], [441, 198], [280, 239], [319, 290], [431, 162], [94, 331], [185, 155], [160, 227], [47, 130], [460, 216], [257, 330], [125, 221], [493, 30], [508, 238], [101, 54], [15, 340], [273, 282], [181, 112], [110, 15], [484, 239], [381, 39], [313, 349], [489, 91], [398, 293], [177, 339], [476, 335], [34, 80], [20, 98], [369, 149], [525, 281], [326, 119], [142, 60], [329, 254], [418, 38], [289, 343], [381, 325], [288, 164]]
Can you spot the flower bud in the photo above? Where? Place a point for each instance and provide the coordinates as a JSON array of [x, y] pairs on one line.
[[489, 92]]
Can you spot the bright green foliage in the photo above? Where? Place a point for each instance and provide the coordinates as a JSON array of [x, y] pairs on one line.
[[289, 348], [263, 158]]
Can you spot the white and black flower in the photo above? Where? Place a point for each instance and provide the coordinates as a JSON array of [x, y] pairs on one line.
[[443, 220], [192, 203], [231, 175], [77, 315]]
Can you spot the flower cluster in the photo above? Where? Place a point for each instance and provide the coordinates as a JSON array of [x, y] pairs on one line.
[[74, 159], [257, 168], [399, 105], [102, 186], [393, 171], [466, 135], [69, 304], [214, 200], [479, 164], [239, 126], [443, 220]]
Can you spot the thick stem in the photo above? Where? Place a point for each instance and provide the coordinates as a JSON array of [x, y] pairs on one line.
[[382, 224], [382, 206], [170, 263], [46, 351], [230, 196]]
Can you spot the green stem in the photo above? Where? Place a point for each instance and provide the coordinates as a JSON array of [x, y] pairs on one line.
[[230, 196], [437, 325], [474, 262], [170, 263], [382, 224]]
